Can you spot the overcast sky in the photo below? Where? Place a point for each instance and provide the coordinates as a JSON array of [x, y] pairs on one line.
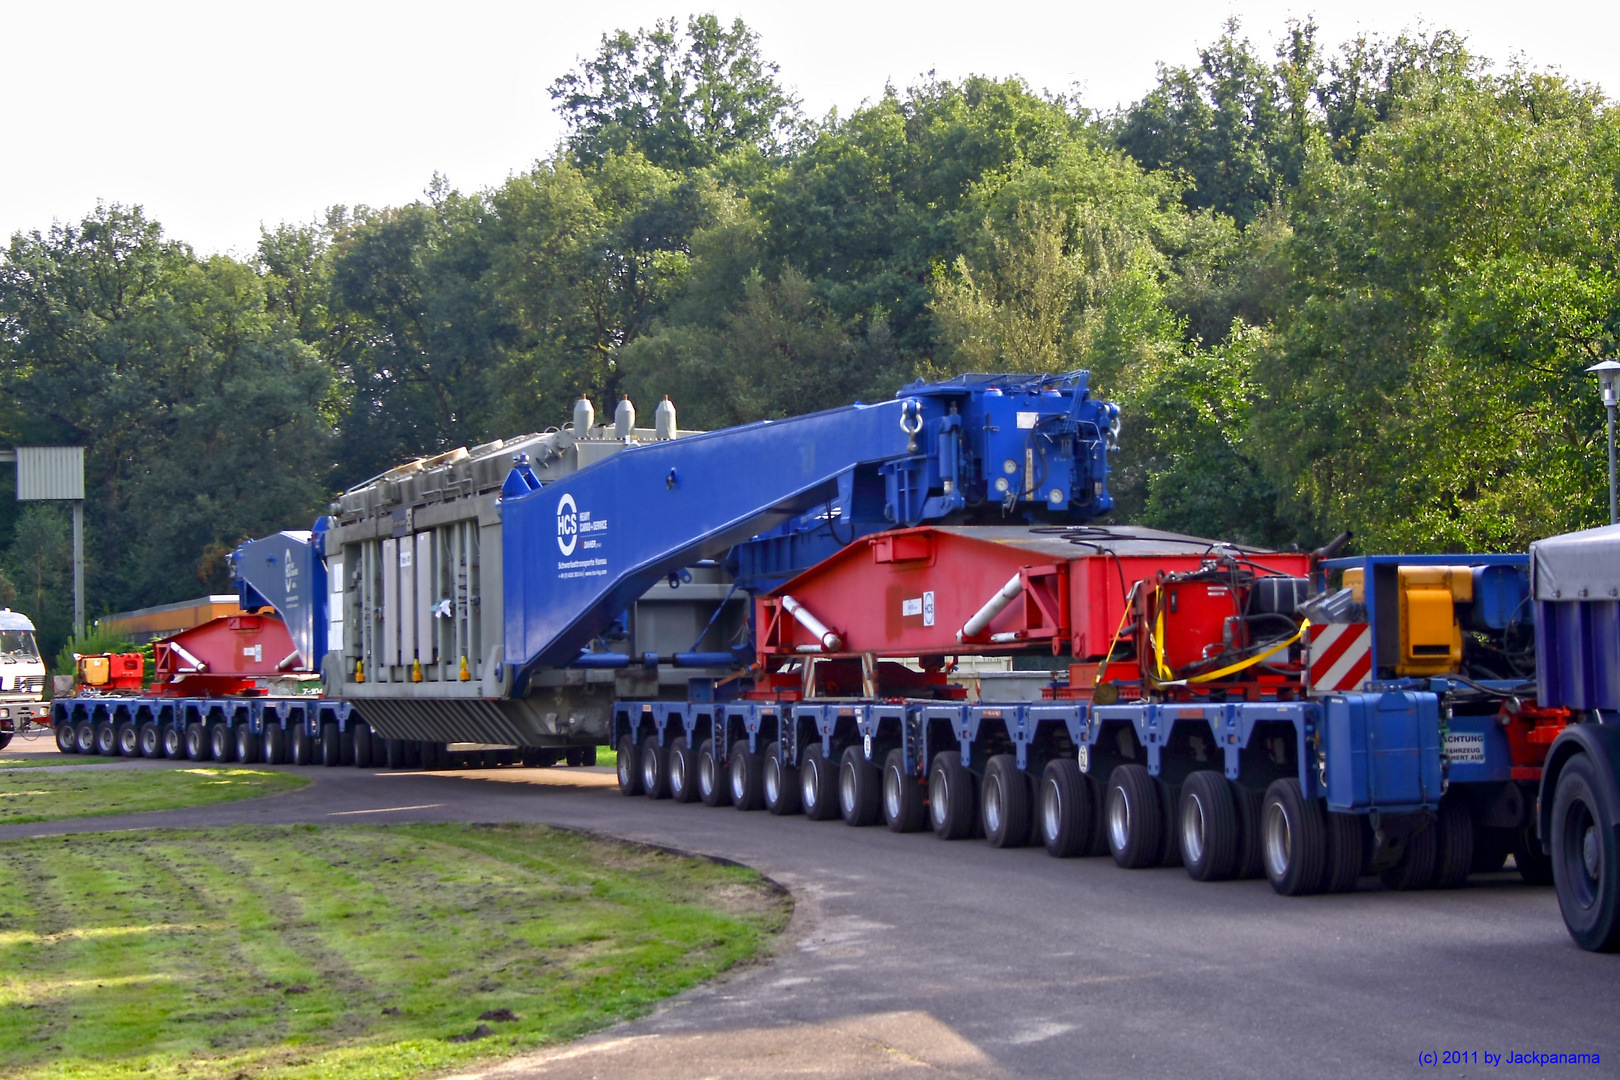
[[217, 117]]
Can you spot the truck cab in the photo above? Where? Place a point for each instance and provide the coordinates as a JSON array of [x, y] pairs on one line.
[[22, 675]]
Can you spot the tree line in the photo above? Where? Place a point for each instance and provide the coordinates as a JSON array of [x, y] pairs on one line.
[[1331, 288]]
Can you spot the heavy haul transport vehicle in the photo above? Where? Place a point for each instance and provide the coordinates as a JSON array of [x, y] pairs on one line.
[[905, 613]]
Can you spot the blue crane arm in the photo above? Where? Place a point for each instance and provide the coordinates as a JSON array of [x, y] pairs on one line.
[[579, 550]]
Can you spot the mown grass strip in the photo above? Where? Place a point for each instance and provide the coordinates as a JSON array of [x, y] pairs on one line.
[[300, 952], [34, 796]]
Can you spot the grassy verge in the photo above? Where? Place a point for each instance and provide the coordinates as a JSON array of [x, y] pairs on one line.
[[303, 952], [33, 796]]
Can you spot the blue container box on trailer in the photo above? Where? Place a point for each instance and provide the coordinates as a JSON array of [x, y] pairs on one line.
[[1382, 751]]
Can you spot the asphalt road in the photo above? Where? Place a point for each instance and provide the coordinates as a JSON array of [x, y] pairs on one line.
[[908, 954]]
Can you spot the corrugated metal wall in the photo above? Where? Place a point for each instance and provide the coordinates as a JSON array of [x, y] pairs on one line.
[[50, 472]]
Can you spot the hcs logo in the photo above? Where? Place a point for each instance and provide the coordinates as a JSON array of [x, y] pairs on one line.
[[567, 524]]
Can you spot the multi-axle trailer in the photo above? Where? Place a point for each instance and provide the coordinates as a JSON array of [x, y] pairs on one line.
[[901, 613]]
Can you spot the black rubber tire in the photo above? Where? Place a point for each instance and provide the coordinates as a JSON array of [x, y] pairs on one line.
[[346, 742], [106, 739], [5, 739], [1346, 851], [275, 744], [1004, 803], [1532, 861], [714, 783], [331, 745], [1209, 827], [953, 810], [435, 756], [299, 750], [818, 785], [197, 742], [1251, 861], [148, 742], [682, 771], [1066, 810], [781, 783], [67, 740], [247, 745], [361, 739], [174, 742], [1416, 867], [533, 757], [1294, 837], [379, 751], [747, 777], [221, 742], [394, 753], [860, 788], [1585, 858], [629, 767], [1134, 808], [905, 802], [1454, 845], [127, 740], [654, 769], [84, 737], [587, 757]]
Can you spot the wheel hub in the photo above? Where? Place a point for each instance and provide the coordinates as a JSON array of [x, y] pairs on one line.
[[1591, 854]]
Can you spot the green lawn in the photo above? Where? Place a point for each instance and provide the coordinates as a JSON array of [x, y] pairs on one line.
[[26, 795], [346, 951]]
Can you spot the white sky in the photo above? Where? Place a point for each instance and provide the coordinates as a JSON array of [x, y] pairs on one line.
[[217, 117]]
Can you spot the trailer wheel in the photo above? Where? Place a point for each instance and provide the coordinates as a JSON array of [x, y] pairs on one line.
[[362, 745], [1135, 810], [394, 753], [1454, 845], [904, 807], [747, 783], [128, 740], [147, 741], [818, 785], [781, 783], [654, 769], [1535, 865], [1209, 827], [1294, 838], [714, 786], [1251, 861], [951, 809], [682, 771], [1067, 814], [275, 744], [1585, 862], [1415, 870], [247, 745], [221, 742], [1346, 852], [379, 751], [174, 742], [860, 788], [331, 745], [84, 737], [106, 739], [298, 749], [66, 738], [1004, 803], [629, 767]]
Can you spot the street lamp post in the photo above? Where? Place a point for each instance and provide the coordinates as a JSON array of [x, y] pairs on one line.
[[1608, 373]]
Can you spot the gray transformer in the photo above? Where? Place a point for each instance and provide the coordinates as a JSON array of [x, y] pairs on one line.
[[415, 638]]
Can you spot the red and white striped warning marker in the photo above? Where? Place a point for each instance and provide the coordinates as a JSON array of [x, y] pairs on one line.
[[1340, 656]]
